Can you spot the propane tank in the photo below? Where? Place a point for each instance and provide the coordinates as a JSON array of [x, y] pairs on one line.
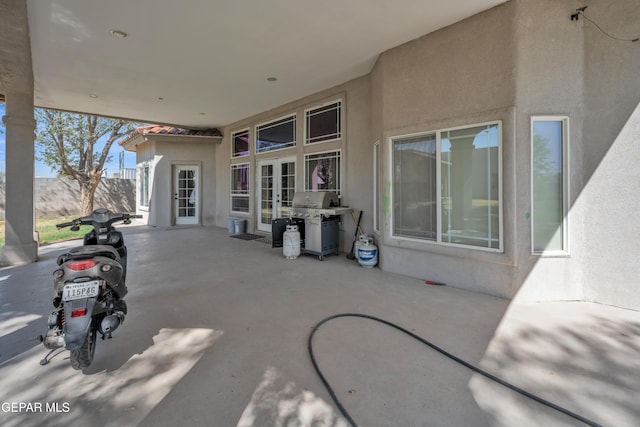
[[368, 253], [362, 239], [291, 242]]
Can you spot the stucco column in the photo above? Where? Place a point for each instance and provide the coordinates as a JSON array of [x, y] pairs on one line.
[[20, 246]]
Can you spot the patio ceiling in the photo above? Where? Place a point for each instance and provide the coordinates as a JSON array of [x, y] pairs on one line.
[[207, 63]]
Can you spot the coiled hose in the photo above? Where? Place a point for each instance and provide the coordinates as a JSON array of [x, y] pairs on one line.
[[439, 350]]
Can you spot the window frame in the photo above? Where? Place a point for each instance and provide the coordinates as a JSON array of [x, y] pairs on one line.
[[242, 194], [338, 155], [233, 143], [292, 144], [145, 185], [438, 241], [564, 120], [309, 111], [376, 179]]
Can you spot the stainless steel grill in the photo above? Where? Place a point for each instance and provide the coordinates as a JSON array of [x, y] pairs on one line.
[[321, 213]]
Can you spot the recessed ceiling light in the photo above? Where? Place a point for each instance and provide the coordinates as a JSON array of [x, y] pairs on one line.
[[119, 33], [93, 95], [272, 79]]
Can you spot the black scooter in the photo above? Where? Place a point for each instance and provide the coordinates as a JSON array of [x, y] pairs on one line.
[[89, 288]]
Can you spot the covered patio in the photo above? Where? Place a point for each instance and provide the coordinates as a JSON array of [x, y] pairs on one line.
[[218, 336]]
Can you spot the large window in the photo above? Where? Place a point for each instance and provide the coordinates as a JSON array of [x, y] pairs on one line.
[[240, 188], [549, 184], [446, 186], [240, 143], [323, 123], [322, 172], [276, 135]]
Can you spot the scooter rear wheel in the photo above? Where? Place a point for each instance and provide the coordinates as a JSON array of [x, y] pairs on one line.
[[82, 357]]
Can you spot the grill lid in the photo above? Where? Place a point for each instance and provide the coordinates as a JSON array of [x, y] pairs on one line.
[[315, 199]]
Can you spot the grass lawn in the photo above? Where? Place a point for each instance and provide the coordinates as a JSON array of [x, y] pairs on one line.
[[46, 227]]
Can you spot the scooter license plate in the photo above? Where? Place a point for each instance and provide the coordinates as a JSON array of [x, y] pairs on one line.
[[73, 291]]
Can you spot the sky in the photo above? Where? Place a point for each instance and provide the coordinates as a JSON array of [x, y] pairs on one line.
[[42, 170]]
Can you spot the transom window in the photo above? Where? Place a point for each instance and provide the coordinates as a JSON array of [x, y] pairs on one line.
[[240, 143], [276, 135], [323, 123], [447, 186]]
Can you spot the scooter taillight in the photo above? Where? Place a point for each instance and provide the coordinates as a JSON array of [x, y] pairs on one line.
[[82, 265], [78, 313]]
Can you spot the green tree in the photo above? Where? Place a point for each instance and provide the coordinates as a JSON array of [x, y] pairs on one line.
[[69, 144]]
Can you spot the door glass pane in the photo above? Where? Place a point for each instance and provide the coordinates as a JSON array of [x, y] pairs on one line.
[[266, 202], [470, 186], [287, 183], [548, 184], [186, 193], [414, 187]]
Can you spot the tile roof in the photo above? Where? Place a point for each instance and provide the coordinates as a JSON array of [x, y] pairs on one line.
[[170, 130]]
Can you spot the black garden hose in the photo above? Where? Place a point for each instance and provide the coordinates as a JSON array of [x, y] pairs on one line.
[[439, 350]]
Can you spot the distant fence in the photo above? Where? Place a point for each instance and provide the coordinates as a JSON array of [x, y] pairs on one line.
[[126, 173], [61, 196]]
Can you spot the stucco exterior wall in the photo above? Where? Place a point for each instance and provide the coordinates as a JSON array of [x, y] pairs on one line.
[[461, 75], [610, 197], [145, 156], [549, 81], [162, 155], [516, 61], [598, 90], [355, 145]]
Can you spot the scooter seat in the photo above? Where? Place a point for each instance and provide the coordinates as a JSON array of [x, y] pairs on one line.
[[90, 251]]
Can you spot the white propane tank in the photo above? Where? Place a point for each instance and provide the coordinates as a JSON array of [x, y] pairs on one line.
[[291, 242], [368, 253], [362, 239]]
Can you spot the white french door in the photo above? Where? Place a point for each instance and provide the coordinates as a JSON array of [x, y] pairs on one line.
[[186, 200], [276, 187]]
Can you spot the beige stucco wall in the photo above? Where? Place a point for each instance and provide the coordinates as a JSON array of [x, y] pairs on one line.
[[550, 65], [507, 64], [356, 153], [461, 75], [163, 154], [598, 89], [610, 198]]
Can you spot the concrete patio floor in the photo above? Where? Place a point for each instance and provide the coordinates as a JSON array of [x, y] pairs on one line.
[[217, 331]]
